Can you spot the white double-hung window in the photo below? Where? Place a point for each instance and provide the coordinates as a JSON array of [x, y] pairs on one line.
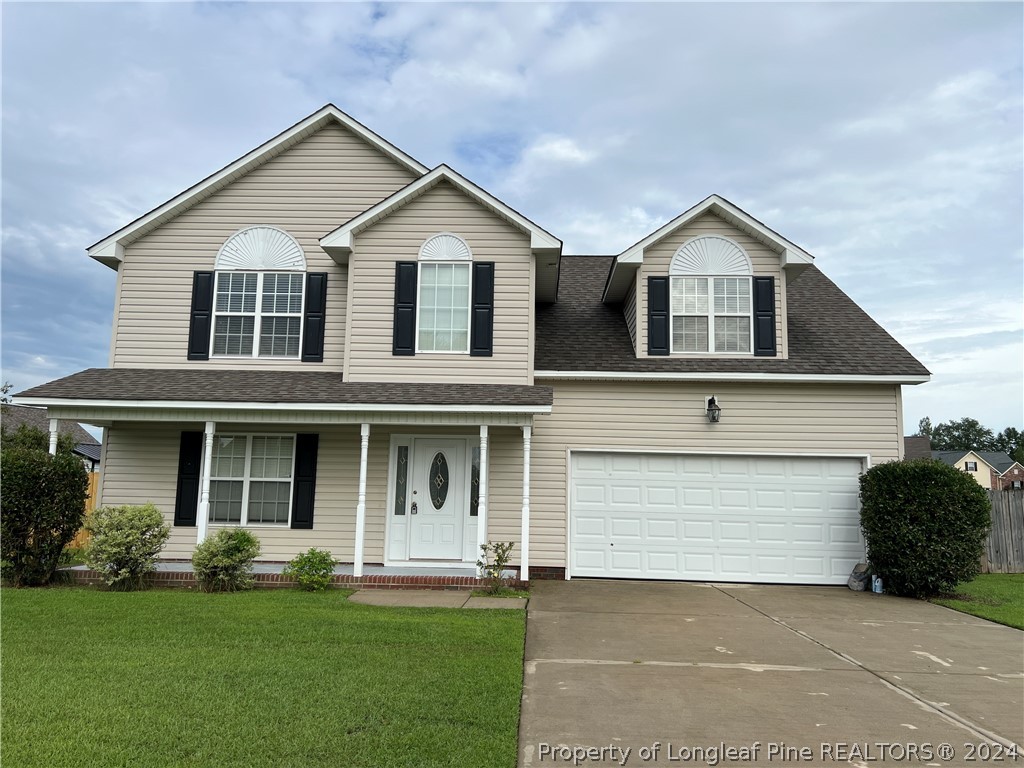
[[251, 479], [710, 297], [258, 299], [443, 303]]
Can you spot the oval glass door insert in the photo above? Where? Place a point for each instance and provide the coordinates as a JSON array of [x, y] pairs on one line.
[[438, 480]]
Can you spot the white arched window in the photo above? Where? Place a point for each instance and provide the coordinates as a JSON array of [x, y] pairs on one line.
[[443, 304], [259, 294], [711, 297]]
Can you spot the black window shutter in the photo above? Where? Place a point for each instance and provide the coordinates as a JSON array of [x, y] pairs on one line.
[[657, 316], [190, 460], [481, 325], [764, 317], [305, 480], [313, 322], [404, 341], [201, 320]]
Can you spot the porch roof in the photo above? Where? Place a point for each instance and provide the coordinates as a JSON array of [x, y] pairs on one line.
[[199, 387]]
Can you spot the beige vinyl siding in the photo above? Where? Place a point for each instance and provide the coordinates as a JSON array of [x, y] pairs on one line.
[[398, 237], [308, 190], [658, 258], [756, 418], [983, 474], [142, 466], [629, 310]]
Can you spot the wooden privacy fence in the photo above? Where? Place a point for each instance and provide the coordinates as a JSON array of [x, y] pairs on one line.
[[90, 504], [1004, 550]]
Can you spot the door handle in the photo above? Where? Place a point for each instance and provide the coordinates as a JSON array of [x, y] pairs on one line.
[[415, 509]]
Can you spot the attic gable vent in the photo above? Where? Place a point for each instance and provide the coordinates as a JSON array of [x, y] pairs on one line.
[[445, 247], [711, 255], [261, 248]]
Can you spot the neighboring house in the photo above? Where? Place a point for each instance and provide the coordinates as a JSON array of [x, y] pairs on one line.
[[992, 469], [87, 447], [335, 346], [917, 447]]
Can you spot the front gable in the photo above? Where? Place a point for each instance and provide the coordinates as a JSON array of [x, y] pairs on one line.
[[661, 259], [303, 190], [385, 260]]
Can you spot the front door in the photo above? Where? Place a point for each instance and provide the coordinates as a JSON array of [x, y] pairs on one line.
[[438, 505]]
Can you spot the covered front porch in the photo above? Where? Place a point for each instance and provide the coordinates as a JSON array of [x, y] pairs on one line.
[[395, 480]]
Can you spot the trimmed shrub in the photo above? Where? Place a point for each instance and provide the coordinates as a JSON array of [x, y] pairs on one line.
[[312, 569], [223, 563], [124, 544], [40, 512], [925, 524]]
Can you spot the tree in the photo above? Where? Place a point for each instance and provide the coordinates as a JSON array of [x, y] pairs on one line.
[[924, 524], [5, 392], [35, 439], [1009, 442], [967, 434], [924, 427]]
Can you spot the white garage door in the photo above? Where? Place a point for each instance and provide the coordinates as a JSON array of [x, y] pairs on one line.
[[792, 520]]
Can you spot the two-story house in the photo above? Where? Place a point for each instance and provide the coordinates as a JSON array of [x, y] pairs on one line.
[[332, 345]]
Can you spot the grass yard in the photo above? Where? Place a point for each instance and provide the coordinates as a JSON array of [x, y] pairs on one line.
[[994, 596], [266, 678]]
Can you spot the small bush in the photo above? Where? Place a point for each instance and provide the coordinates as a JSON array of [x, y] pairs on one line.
[[223, 563], [493, 561], [312, 570], [40, 512], [925, 524], [124, 544]]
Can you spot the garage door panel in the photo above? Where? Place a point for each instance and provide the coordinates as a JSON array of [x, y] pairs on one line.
[[729, 518]]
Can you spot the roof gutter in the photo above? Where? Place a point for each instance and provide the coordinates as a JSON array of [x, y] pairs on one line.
[[764, 378]]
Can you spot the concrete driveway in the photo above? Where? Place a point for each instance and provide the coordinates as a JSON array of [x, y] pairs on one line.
[[810, 675]]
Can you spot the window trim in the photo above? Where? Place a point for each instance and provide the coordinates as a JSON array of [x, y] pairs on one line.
[[247, 477], [710, 352], [258, 315], [468, 264]]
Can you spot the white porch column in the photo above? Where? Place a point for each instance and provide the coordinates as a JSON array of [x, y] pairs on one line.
[[54, 426], [524, 547], [481, 509], [203, 518], [364, 446]]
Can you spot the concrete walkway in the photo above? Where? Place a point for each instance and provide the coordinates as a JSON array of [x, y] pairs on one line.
[[819, 674], [433, 598]]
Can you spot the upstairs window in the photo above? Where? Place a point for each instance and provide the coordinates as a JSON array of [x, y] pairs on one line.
[[971, 466], [258, 299], [711, 305], [443, 304]]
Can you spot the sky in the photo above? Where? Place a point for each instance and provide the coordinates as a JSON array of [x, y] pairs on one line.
[[884, 138]]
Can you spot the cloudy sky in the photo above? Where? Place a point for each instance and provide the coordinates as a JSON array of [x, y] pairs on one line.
[[885, 138]]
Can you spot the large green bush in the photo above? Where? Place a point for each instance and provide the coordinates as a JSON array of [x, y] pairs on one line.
[[925, 525], [223, 562], [41, 510], [312, 570], [124, 544]]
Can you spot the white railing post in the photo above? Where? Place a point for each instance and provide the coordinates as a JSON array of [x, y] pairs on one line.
[[364, 446], [524, 546], [54, 427], [481, 509], [203, 518]]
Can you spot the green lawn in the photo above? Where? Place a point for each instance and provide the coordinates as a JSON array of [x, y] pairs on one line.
[[266, 678], [993, 596]]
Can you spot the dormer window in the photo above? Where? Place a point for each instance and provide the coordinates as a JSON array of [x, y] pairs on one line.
[[258, 298], [711, 304], [443, 304]]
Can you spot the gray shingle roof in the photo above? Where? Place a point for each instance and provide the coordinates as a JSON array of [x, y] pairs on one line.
[[917, 447], [828, 332], [998, 460], [227, 386], [13, 416]]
